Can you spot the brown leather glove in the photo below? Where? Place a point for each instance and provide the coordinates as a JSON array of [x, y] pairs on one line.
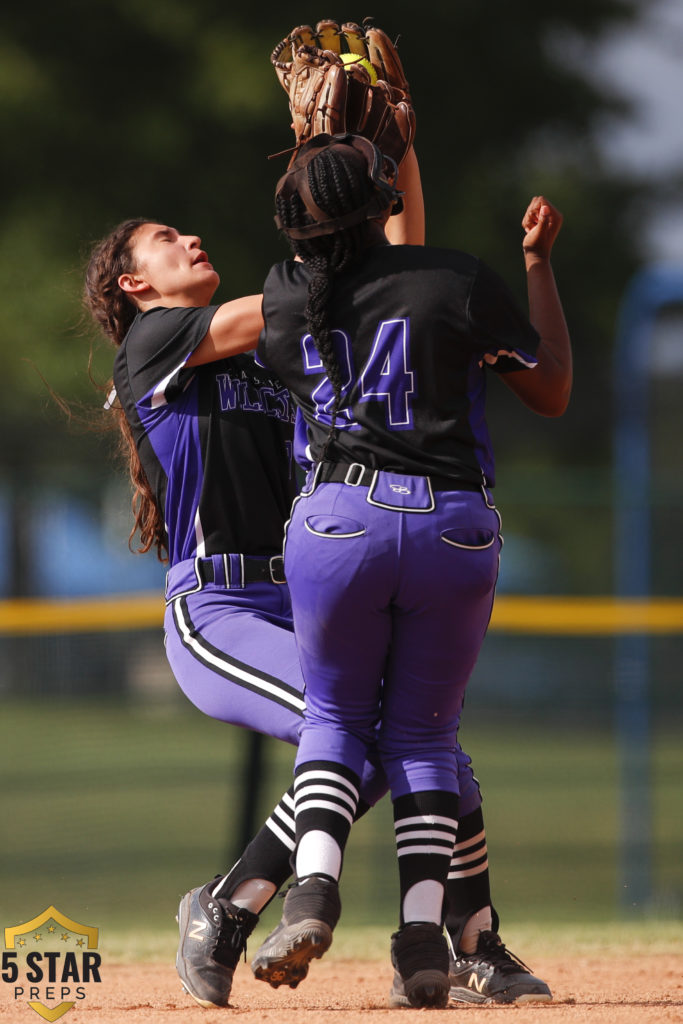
[[347, 79]]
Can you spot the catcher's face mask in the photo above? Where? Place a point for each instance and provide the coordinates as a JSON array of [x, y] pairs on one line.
[[380, 169]]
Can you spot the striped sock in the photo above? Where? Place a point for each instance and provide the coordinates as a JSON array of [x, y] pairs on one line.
[[425, 825], [281, 820], [470, 857], [325, 799], [468, 888]]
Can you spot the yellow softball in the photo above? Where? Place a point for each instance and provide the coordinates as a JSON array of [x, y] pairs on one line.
[[355, 58]]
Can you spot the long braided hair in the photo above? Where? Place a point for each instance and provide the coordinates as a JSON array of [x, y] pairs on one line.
[[324, 191], [113, 311]]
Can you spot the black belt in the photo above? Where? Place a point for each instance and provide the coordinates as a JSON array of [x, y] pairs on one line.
[[254, 570], [356, 475]]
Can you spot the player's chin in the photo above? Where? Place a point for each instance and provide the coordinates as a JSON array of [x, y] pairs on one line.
[[204, 287], [208, 276]]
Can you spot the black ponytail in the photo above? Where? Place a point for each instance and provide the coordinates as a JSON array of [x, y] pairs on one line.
[[339, 184]]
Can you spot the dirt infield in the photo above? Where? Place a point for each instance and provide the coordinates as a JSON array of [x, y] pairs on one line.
[[621, 990]]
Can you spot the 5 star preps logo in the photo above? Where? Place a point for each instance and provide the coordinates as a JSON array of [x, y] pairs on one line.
[[49, 960]]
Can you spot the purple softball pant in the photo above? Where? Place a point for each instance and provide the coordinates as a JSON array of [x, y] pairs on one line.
[[233, 653], [390, 609]]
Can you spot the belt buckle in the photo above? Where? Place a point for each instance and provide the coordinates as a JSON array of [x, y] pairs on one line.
[[360, 472], [276, 564]]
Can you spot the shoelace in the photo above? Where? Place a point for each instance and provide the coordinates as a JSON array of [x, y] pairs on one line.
[[232, 938], [495, 950]]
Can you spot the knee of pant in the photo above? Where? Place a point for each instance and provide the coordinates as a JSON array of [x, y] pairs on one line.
[[373, 783], [327, 743], [414, 744], [429, 773], [470, 794]]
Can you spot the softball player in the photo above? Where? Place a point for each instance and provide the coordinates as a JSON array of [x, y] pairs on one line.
[[208, 435], [392, 548]]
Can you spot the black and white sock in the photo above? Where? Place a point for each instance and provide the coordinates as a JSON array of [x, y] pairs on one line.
[[468, 890], [325, 800], [425, 825]]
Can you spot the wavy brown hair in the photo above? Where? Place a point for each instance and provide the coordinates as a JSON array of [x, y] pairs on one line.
[[113, 311]]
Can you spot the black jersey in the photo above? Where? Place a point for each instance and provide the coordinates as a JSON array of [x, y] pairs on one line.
[[414, 329], [215, 441]]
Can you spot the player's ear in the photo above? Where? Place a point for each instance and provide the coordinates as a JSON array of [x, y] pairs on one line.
[[132, 284]]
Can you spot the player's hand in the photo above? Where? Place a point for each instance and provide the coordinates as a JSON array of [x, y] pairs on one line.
[[541, 222]]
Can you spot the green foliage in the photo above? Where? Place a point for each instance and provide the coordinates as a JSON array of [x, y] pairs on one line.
[[171, 109]]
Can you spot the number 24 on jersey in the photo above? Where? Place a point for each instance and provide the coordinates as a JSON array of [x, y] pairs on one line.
[[386, 376]]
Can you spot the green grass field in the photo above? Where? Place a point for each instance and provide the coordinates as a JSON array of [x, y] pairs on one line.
[[110, 811], [371, 943]]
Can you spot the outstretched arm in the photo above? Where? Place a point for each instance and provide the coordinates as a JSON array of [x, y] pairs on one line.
[[408, 227], [235, 328], [546, 388]]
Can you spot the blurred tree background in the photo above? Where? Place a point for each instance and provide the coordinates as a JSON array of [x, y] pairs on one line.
[[170, 110]]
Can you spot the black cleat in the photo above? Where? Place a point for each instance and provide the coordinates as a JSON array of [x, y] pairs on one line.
[[419, 953], [213, 936], [309, 915], [494, 975]]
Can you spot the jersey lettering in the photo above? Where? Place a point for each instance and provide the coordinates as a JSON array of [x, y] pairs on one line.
[[277, 403], [251, 401], [386, 376], [289, 448], [252, 397], [228, 390], [323, 394]]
